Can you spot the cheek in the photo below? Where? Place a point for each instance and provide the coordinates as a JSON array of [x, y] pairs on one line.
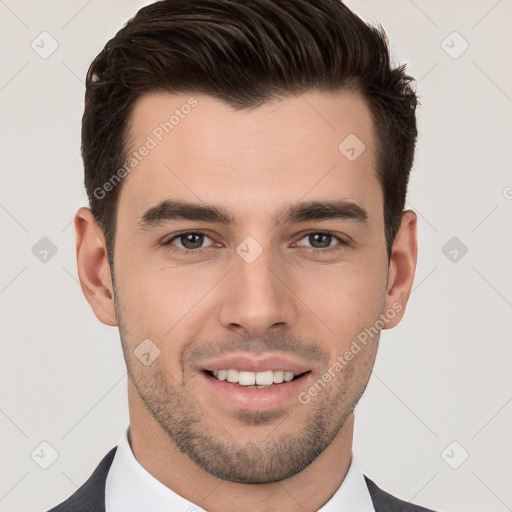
[[165, 305], [155, 296], [347, 298]]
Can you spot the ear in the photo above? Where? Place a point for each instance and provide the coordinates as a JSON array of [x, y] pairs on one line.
[[401, 270], [93, 267]]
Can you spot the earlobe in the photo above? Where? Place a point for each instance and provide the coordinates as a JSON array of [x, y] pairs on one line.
[[93, 267], [402, 268]]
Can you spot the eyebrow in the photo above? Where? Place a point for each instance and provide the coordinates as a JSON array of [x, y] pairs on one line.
[[172, 210]]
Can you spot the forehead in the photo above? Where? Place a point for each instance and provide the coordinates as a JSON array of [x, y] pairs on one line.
[[317, 145]]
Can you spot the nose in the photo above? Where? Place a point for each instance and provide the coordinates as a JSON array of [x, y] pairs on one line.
[[258, 296]]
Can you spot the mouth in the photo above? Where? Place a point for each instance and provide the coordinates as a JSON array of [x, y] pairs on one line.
[[255, 380], [244, 382], [235, 389]]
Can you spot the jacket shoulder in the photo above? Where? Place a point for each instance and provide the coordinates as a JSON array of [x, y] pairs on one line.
[[385, 502], [90, 497]]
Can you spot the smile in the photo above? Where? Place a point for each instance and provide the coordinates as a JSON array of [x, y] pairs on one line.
[[254, 379]]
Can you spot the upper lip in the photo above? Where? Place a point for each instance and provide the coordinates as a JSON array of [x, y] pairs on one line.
[[248, 363]]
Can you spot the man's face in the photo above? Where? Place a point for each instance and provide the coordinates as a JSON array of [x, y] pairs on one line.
[[265, 292]]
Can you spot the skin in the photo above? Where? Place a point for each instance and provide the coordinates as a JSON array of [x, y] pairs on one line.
[[306, 305]]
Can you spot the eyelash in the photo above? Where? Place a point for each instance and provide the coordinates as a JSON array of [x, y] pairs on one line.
[[192, 252]]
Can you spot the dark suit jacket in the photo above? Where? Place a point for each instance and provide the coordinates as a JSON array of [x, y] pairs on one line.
[[90, 497]]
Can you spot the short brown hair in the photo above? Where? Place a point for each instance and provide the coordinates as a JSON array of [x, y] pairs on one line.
[[245, 53]]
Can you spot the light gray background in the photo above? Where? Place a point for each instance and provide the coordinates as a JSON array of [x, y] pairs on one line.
[[442, 375]]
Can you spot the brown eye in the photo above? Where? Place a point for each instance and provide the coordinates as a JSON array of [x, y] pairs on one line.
[[190, 241], [320, 240]]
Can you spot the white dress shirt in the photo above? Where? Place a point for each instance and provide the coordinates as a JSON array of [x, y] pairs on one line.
[[131, 488]]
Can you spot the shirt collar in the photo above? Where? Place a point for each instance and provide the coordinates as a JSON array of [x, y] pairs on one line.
[[131, 488]]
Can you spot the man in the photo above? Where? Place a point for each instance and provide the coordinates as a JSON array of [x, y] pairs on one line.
[[247, 165]]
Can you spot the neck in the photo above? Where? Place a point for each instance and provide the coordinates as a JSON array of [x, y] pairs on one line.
[[308, 490]]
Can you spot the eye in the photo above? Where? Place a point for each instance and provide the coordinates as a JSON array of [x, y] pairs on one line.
[[192, 242], [189, 241], [321, 241]]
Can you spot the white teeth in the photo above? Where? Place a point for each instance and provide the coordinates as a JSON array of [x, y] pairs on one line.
[[244, 378], [247, 378], [278, 376], [265, 378], [232, 376]]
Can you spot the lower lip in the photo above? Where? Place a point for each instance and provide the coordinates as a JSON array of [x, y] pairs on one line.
[[257, 399]]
